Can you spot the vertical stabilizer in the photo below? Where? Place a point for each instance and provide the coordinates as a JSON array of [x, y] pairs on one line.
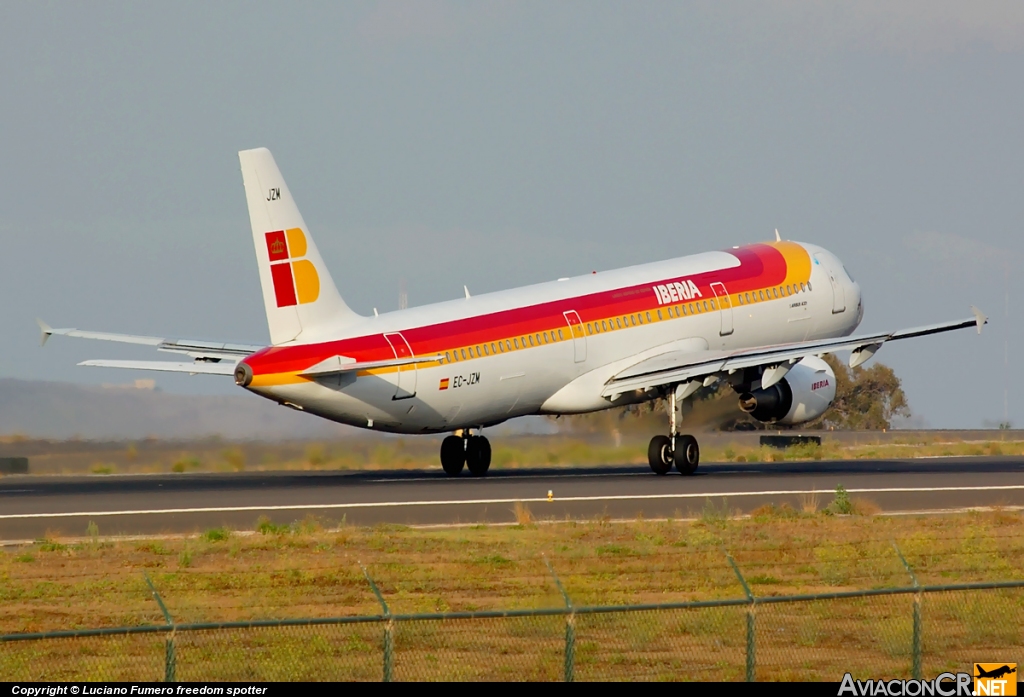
[[298, 293]]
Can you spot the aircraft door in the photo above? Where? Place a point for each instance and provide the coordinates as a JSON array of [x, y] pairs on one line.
[[579, 339], [725, 307], [838, 292], [405, 378]]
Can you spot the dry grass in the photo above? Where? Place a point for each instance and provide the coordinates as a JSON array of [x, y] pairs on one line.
[[522, 513], [809, 502], [310, 570], [307, 570], [148, 456]]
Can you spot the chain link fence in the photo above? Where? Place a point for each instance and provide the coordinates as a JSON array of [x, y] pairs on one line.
[[913, 631]]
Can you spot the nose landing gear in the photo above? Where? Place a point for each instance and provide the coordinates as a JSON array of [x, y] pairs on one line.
[[458, 451], [673, 449]]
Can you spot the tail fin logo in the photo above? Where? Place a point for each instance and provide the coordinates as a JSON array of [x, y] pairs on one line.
[[296, 281]]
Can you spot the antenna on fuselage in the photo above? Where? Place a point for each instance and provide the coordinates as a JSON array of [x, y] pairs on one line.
[[466, 288], [777, 238]]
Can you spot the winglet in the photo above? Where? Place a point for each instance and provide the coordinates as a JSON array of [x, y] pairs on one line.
[[46, 329], [980, 317]]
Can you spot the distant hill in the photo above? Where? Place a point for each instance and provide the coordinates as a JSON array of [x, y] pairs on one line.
[[64, 410]]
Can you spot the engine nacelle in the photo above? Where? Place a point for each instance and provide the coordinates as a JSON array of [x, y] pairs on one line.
[[803, 395]]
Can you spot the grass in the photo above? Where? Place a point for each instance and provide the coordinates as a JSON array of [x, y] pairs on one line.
[[369, 453], [312, 568]]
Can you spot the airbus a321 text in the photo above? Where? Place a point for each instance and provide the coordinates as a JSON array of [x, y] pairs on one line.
[[757, 317]]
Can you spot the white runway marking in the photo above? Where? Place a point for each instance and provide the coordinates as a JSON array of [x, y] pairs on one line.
[[469, 502]]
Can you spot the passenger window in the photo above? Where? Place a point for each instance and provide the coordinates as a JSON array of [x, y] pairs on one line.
[[713, 305], [545, 337], [560, 337], [639, 318], [632, 319], [660, 318], [705, 306], [775, 292], [493, 350], [618, 322], [531, 341], [515, 342], [448, 357], [463, 354], [747, 295], [470, 351], [801, 287], [604, 326], [508, 344], [684, 309], [486, 352], [740, 296], [648, 316], [808, 285]]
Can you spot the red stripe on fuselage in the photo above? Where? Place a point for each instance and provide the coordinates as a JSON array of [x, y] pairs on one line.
[[760, 266]]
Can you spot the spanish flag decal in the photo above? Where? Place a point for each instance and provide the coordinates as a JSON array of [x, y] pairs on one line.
[[296, 281], [444, 384]]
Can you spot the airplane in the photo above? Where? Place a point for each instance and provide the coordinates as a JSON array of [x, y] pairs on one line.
[[756, 318], [995, 673]]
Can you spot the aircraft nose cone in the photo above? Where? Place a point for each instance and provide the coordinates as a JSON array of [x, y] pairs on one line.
[[243, 374]]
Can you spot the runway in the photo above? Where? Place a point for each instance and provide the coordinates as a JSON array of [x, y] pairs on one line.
[[34, 507]]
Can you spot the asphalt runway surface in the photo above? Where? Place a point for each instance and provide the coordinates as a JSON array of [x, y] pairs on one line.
[[35, 507]]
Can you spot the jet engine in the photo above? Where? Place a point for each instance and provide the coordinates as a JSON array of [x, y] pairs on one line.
[[803, 395]]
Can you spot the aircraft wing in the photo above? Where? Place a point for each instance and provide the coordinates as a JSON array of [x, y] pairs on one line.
[[679, 367], [209, 358]]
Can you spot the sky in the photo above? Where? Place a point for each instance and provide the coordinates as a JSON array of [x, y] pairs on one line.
[[494, 144]]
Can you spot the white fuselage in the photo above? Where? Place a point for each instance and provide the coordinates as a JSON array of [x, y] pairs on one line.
[[565, 374]]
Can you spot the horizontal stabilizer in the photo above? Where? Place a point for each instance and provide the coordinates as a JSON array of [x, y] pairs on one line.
[[193, 348], [343, 364], [201, 368]]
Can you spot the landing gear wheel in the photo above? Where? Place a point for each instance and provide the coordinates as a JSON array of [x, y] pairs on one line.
[[453, 455], [659, 454], [687, 454], [478, 455]]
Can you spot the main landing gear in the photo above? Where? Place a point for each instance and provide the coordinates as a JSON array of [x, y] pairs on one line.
[[465, 450], [680, 450]]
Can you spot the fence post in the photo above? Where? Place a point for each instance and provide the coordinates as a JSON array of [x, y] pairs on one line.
[[170, 659], [751, 633], [389, 639], [570, 629], [915, 668]]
